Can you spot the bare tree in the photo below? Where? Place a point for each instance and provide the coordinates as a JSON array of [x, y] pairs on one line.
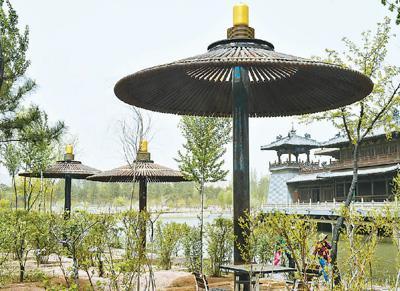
[[133, 131]]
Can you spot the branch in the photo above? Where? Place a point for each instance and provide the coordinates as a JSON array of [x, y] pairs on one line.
[[360, 121], [345, 123], [380, 113]]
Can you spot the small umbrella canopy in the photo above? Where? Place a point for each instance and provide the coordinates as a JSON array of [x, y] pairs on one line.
[[139, 170], [242, 76], [62, 169], [142, 170], [67, 169]]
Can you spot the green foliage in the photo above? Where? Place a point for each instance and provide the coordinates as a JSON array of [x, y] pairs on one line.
[[258, 238], [70, 235], [220, 238], [205, 140], [135, 259], [42, 242], [191, 244], [18, 123], [258, 189], [299, 234], [360, 240], [49, 193], [393, 6], [262, 233], [168, 237], [25, 136], [376, 110]]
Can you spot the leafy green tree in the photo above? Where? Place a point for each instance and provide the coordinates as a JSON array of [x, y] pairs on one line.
[[21, 230], [31, 155], [21, 128], [201, 160], [393, 6], [360, 119], [258, 189], [16, 85], [70, 235], [258, 238], [42, 242], [299, 235], [12, 162]]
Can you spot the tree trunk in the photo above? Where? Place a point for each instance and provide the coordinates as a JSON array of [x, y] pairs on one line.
[[340, 220], [201, 225], [142, 216], [15, 191], [51, 198], [21, 273], [75, 270], [25, 198], [101, 265]]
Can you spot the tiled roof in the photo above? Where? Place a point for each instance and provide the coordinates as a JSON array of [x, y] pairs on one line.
[[292, 139], [347, 173], [342, 139]]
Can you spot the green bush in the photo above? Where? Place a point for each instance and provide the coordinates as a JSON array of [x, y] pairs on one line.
[[168, 238], [191, 243], [220, 238]]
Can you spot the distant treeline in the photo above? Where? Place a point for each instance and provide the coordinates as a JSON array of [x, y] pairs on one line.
[[170, 195]]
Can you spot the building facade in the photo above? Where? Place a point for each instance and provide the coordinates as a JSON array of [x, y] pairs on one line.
[[329, 181]]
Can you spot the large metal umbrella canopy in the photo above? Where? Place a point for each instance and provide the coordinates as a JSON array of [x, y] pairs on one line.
[[143, 170], [242, 76], [67, 169]]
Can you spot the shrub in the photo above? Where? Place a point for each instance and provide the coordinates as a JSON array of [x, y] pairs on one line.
[[220, 238], [192, 248], [168, 238]]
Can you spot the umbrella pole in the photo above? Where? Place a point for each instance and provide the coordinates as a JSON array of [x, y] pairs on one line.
[[67, 201], [241, 195], [143, 207]]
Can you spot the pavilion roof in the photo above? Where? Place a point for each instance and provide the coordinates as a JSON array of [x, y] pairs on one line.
[[292, 140]]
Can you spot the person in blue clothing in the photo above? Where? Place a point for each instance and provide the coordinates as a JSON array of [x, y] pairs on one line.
[[322, 252]]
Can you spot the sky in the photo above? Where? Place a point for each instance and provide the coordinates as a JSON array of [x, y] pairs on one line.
[[80, 49]]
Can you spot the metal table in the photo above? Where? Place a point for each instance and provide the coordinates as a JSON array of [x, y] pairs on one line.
[[244, 274]]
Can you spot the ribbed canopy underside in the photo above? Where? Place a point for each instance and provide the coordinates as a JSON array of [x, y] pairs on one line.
[[149, 171], [280, 84], [61, 169]]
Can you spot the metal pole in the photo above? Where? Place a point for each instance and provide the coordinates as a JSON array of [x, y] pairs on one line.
[[67, 202], [241, 195], [143, 207]]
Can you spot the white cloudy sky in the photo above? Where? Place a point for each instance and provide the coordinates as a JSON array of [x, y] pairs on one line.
[[79, 49]]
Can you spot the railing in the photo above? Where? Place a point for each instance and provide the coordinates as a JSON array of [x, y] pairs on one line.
[[365, 161], [325, 208], [300, 164], [312, 167]]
